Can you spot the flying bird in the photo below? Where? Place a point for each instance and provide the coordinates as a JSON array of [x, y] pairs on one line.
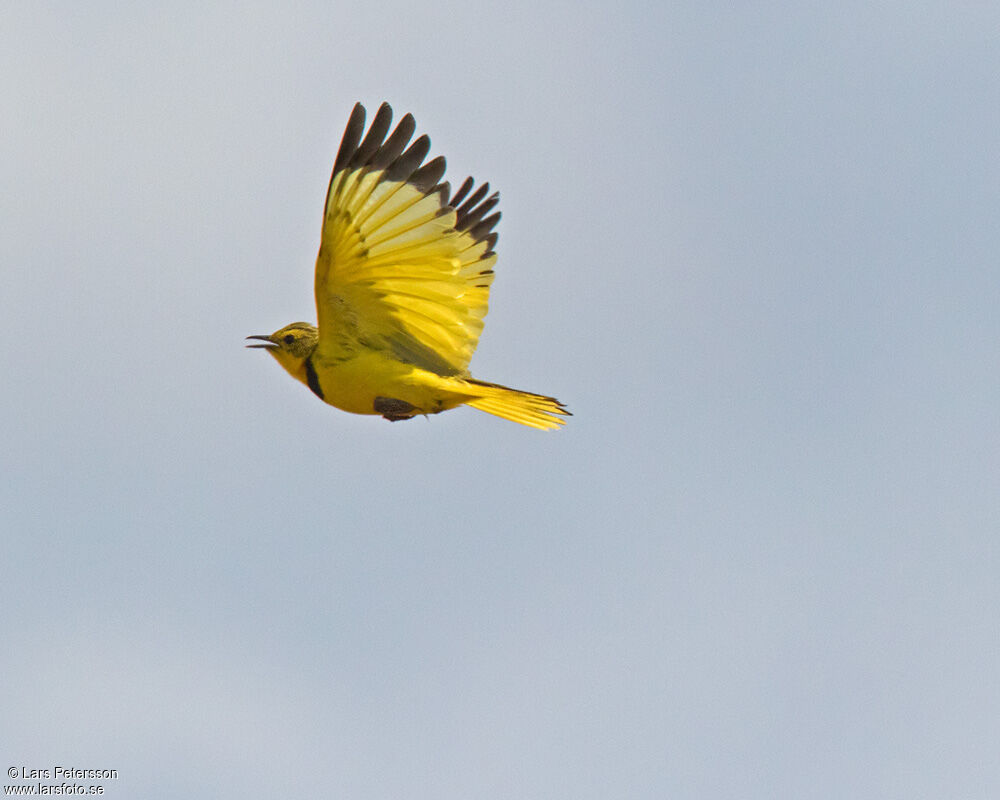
[[402, 285]]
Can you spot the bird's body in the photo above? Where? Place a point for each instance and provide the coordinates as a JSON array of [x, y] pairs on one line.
[[355, 384], [402, 286]]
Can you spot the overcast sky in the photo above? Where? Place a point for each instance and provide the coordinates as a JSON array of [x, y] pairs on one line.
[[754, 251]]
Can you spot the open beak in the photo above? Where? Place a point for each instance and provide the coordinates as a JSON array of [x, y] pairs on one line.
[[269, 343]]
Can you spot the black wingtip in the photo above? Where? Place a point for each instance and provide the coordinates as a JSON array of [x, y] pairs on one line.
[[404, 166], [352, 136], [480, 230], [427, 176], [402, 160], [376, 134], [396, 143], [463, 190]]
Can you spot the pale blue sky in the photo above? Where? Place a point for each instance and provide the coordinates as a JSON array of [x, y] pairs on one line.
[[755, 252]]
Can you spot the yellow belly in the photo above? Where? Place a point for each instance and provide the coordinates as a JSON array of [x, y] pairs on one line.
[[354, 384]]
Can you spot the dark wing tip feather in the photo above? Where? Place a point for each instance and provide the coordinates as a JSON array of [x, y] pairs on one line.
[[463, 210], [376, 135], [402, 160], [471, 213], [403, 167], [375, 150], [476, 214], [396, 143], [391, 155], [480, 230], [444, 190], [352, 136], [463, 190], [427, 176]]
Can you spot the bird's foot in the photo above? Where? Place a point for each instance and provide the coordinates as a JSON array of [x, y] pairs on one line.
[[393, 409]]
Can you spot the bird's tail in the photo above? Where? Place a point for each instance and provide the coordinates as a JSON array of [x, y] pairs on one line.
[[534, 410]]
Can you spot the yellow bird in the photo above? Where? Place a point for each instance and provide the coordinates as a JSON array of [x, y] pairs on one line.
[[402, 285]]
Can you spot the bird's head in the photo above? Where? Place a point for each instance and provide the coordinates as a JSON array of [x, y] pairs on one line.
[[290, 346]]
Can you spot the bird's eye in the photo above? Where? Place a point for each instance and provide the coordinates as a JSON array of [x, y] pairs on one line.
[[289, 338]]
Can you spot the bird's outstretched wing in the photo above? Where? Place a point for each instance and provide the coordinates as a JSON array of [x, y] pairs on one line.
[[402, 266]]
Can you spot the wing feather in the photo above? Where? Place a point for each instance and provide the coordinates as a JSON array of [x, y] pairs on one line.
[[401, 267]]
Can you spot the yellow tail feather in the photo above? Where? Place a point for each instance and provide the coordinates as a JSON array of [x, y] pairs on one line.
[[534, 410]]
